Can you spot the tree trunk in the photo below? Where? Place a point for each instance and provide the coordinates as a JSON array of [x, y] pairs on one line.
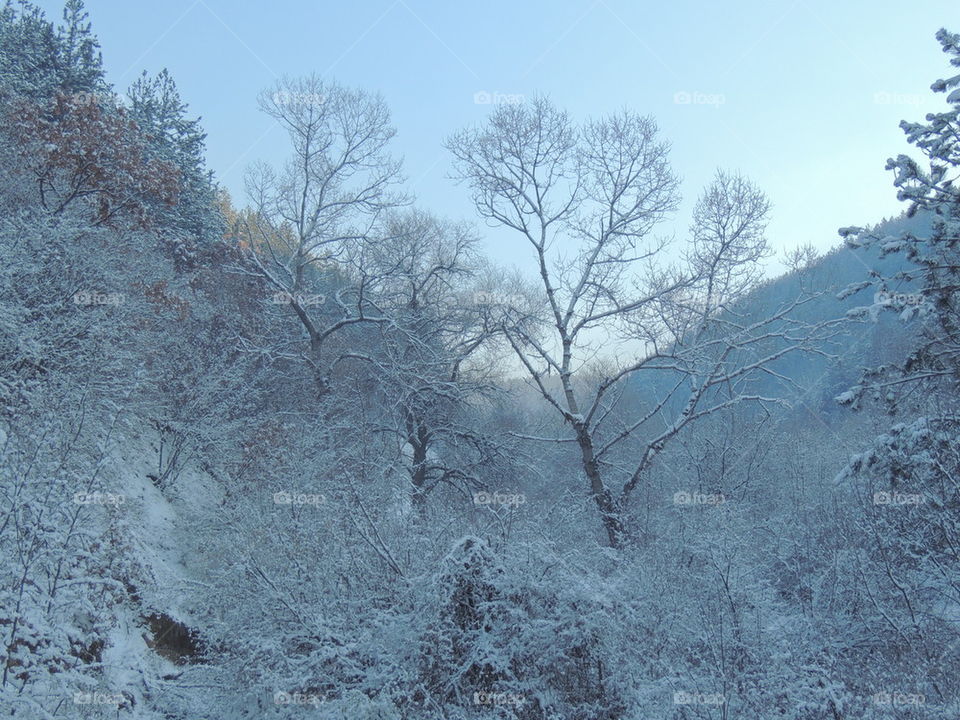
[[609, 511], [419, 440]]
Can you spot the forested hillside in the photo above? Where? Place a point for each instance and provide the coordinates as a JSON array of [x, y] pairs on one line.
[[311, 453]]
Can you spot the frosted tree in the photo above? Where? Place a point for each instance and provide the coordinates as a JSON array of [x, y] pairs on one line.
[[907, 480], [173, 139], [586, 200], [432, 361], [727, 239], [41, 60], [932, 277], [315, 216], [90, 153]]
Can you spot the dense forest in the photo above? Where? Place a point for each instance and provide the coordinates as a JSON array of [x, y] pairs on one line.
[[314, 454]]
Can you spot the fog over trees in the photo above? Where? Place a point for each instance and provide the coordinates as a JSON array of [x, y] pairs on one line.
[[314, 452]]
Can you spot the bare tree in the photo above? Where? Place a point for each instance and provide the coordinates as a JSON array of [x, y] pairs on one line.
[[327, 236], [727, 238], [429, 358], [587, 199], [316, 216]]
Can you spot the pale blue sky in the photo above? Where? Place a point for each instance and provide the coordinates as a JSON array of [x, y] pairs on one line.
[[802, 96]]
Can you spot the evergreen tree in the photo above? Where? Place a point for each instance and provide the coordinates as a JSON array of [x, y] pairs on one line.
[[173, 138], [934, 260], [40, 60], [78, 51]]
